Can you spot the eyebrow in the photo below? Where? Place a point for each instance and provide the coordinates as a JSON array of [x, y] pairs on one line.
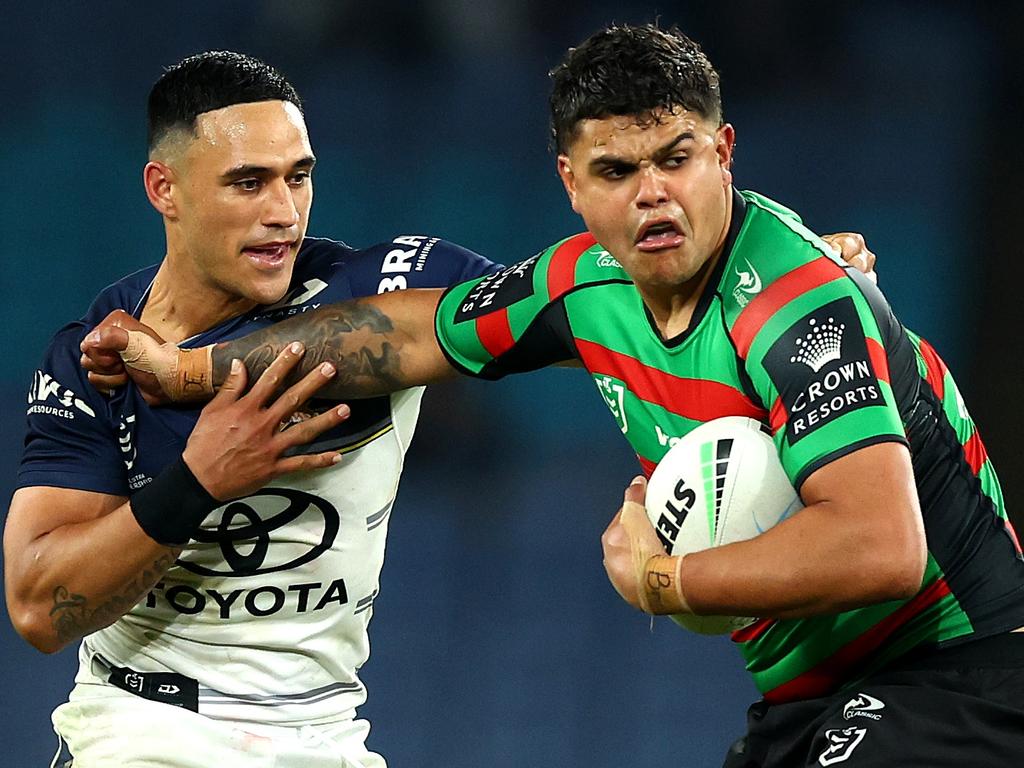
[[605, 161], [241, 171]]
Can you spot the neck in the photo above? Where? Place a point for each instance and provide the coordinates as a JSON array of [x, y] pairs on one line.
[[183, 301], [672, 307]]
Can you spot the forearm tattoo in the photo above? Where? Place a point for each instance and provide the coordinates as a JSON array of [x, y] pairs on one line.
[[73, 616], [357, 338]]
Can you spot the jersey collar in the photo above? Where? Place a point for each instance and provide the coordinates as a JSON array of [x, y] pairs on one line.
[[739, 213]]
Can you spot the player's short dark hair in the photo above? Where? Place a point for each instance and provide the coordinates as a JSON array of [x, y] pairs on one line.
[[630, 70], [208, 81]]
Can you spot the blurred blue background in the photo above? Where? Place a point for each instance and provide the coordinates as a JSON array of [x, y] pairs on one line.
[[497, 639]]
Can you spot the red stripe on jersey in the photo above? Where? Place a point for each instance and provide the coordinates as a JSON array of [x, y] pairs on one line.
[[752, 632], [696, 399], [495, 333], [646, 465], [777, 417], [822, 679], [562, 269], [975, 453], [936, 369], [777, 295], [879, 360]]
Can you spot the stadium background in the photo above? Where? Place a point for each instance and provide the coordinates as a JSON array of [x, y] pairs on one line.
[[497, 640]]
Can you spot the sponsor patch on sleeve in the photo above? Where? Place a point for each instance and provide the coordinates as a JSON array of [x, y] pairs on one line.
[[498, 291], [822, 369]]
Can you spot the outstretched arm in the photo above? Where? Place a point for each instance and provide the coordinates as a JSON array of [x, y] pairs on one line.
[[378, 344]]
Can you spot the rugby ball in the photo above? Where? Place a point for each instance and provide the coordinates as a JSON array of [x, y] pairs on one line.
[[722, 482]]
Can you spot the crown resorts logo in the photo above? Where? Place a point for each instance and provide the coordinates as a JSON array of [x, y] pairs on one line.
[[822, 369], [822, 344]]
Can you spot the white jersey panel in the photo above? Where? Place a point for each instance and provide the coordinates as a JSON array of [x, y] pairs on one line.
[[268, 608]]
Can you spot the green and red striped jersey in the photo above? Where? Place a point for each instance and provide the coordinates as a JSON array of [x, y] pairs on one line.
[[787, 334]]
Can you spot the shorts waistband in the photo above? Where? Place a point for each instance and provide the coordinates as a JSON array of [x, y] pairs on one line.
[[163, 687], [1005, 651]]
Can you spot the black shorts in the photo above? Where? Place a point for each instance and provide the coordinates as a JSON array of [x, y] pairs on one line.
[[961, 707]]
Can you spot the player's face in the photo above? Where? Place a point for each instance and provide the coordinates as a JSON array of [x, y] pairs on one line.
[[655, 193], [244, 196]]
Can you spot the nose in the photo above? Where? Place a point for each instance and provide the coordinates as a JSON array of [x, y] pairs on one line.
[[652, 191], [280, 209]]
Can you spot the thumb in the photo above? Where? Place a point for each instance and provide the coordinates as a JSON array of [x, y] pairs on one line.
[[106, 339], [643, 541], [235, 383], [637, 490]]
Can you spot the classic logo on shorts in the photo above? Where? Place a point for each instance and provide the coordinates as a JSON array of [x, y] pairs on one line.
[[822, 369], [237, 535], [498, 291], [863, 705], [841, 743]]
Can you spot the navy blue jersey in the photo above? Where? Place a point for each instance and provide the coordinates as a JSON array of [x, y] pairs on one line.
[[268, 605], [78, 438]]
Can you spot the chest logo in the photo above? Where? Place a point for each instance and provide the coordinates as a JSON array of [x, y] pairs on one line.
[[238, 536], [614, 395], [749, 284]]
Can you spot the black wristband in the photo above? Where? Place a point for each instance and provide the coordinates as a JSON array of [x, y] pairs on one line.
[[170, 508]]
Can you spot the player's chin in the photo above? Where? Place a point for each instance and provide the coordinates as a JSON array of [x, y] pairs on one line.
[[268, 288]]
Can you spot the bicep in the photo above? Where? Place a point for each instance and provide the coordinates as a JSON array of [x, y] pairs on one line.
[[39, 510], [875, 485]]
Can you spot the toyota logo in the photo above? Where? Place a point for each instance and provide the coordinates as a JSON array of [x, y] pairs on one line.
[[243, 534]]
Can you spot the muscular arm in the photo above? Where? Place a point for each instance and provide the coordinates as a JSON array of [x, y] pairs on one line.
[[75, 561], [378, 344], [858, 541]]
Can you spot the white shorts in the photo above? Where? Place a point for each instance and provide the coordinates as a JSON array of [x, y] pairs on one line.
[[103, 726]]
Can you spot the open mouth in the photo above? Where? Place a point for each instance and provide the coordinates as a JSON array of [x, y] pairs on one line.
[[659, 234], [268, 255]]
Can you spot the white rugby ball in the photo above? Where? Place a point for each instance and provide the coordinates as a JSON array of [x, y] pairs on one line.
[[722, 482]]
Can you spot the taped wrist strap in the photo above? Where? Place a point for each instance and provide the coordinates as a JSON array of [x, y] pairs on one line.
[[188, 377], [171, 508], [660, 590]]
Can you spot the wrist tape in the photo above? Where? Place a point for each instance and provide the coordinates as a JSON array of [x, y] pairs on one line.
[[660, 590], [189, 377], [171, 508]]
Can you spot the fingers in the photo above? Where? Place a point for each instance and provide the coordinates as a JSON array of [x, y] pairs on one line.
[[643, 541], [308, 430], [636, 491], [121, 319], [234, 384], [853, 250], [271, 379], [306, 463], [106, 383], [105, 340], [296, 395]]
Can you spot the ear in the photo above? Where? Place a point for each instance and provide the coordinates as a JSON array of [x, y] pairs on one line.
[[565, 173], [725, 142], [159, 179]]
